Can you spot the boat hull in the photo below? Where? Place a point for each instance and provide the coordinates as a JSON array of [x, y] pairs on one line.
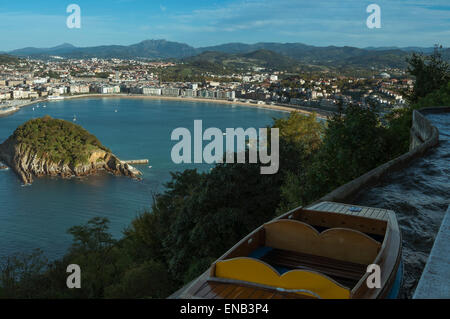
[[397, 285]]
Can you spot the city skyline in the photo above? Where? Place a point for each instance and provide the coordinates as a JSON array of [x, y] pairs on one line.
[[125, 22]]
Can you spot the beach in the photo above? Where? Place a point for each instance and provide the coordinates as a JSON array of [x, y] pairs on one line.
[[284, 107]]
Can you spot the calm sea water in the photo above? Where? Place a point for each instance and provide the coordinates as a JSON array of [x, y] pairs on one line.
[[38, 216]]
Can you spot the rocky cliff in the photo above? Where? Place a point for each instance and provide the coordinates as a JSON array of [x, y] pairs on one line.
[[29, 159]]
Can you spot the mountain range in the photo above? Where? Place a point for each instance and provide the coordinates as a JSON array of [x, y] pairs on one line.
[[289, 52]]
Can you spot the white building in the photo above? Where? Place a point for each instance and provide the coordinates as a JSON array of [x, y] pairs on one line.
[[189, 93], [151, 91], [273, 78], [171, 91]]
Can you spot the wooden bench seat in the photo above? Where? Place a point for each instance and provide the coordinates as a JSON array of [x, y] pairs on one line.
[[343, 244], [346, 273]]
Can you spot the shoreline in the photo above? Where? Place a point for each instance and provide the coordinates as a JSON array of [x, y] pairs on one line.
[[277, 107], [18, 107], [283, 108]]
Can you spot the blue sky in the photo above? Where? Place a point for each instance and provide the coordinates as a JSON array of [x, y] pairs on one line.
[[209, 22]]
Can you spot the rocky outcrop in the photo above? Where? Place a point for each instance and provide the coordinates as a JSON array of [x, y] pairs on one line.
[[28, 165]]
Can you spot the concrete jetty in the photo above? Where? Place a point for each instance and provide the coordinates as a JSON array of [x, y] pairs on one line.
[[435, 280], [8, 111], [136, 162]]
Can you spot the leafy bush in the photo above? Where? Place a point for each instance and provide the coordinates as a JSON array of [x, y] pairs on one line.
[[440, 97], [431, 73]]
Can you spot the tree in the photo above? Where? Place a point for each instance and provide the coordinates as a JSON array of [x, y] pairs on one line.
[[21, 275], [147, 280], [354, 143], [436, 98], [91, 237], [431, 73], [203, 215], [97, 254], [300, 139]]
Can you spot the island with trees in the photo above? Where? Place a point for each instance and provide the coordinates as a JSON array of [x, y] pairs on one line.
[[52, 147]]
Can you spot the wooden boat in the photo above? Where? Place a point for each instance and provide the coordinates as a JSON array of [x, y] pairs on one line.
[[320, 252]]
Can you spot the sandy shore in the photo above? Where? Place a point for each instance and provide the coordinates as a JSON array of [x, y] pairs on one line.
[[284, 108], [19, 106]]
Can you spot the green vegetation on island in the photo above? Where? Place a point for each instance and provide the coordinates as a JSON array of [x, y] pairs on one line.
[[53, 147], [58, 140]]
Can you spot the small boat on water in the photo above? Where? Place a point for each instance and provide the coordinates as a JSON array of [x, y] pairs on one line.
[[326, 251], [74, 118]]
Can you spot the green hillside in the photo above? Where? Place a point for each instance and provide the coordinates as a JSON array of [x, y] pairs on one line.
[[4, 58], [260, 58]]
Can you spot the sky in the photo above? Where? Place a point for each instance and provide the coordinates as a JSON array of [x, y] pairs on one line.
[[211, 22]]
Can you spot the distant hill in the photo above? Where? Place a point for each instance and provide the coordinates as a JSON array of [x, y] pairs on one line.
[[5, 58], [302, 52], [380, 59], [333, 56], [237, 48], [299, 52], [406, 49], [146, 49], [60, 49], [261, 58]]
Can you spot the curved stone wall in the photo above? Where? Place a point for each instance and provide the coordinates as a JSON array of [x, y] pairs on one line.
[[423, 137]]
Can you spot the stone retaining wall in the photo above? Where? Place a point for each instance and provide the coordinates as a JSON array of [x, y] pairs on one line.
[[423, 137], [421, 130], [435, 280]]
